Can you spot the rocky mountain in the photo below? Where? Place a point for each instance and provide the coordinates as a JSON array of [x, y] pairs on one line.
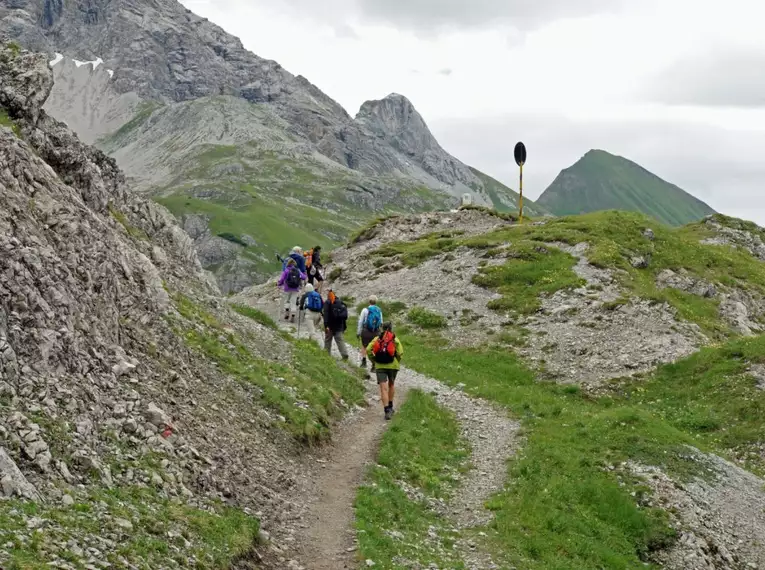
[[136, 408], [127, 70], [602, 181]]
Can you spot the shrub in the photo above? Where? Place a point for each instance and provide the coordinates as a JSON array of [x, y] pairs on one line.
[[426, 319], [232, 238]]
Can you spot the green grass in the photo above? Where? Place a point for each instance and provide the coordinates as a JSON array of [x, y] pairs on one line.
[[308, 394], [711, 396], [6, 121], [563, 509], [256, 315], [602, 181], [210, 538], [426, 319], [532, 269], [133, 231], [424, 449]]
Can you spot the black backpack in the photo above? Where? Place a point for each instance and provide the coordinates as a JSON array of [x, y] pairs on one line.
[[339, 311], [293, 278]]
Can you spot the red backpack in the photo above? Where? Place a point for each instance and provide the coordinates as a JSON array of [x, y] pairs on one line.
[[384, 348]]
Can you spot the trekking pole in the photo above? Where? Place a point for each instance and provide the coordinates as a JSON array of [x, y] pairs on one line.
[[299, 315]]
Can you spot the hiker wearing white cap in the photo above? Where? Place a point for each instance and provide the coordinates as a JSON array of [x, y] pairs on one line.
[[368, 327]]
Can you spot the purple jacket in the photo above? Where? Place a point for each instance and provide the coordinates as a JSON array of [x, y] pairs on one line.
[[283, 280]]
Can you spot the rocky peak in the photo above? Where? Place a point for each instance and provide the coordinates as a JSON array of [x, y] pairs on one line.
[[396, 119]]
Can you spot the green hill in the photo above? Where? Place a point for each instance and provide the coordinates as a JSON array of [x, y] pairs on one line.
[[603, 181]]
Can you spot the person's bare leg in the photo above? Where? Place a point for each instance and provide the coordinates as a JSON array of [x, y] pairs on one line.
[[391, 391], [384, 394]]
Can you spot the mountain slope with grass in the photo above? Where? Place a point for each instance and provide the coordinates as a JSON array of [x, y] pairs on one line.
[[602, 181], [236, 146], [144, 423], [630, 351]]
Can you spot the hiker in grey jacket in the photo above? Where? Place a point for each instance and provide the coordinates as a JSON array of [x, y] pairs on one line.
[[363, 331]]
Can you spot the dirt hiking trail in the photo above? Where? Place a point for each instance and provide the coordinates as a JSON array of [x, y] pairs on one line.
[[327, 539]]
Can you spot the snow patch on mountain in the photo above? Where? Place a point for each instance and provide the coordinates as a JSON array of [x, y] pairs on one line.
[[59, 57], [98, 61]]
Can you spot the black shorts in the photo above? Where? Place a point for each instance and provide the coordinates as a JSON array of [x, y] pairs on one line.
[[318, 276], [367, 337], [386, 375]]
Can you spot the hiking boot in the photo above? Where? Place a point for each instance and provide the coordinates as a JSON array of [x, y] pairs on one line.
[[373, 367], [292, 318], [388, 413], [363, 363]]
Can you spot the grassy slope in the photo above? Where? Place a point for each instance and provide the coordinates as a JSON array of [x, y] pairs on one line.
[[615, 237], [568, 505], [161, 530], [309, 395], [279, 199], [506, 200], [422, 448], [601, 181]]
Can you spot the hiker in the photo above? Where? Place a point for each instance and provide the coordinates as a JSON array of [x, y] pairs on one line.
[[291, 281], [368, 327], [335, 323], [386, 352], [312, 306], [297, 256], [314, 267]]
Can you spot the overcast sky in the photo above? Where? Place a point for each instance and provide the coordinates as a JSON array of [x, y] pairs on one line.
[[675, 85]]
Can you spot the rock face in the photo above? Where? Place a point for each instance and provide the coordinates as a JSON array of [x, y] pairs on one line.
[[163, 52], [98, 387], [395, 120], [85, 99]]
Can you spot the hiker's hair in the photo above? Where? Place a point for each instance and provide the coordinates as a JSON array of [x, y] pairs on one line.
[[291, 261], [372, 300], [317, 248], [387, 326]]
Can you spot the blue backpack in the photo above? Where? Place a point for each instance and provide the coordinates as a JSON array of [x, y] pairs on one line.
[[313, 302], [374, 318]]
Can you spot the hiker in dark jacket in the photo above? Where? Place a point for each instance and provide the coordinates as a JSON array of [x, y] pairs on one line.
[[335, 323], [297, 255], [315, 271]]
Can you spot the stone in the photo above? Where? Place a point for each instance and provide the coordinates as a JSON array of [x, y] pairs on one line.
[[640, 262], [648, 233], [155, 415], [123, 368], [13, 481], [67, 500]]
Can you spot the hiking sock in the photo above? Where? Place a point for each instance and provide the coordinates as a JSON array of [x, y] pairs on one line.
[[363, 362]]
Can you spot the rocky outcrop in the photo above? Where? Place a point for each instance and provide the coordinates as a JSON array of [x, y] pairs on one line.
[[98, 388], [85, 99], [395, 120]]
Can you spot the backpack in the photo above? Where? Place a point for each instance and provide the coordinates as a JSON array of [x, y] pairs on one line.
[[384, 348], [308, 258], [339, 311], [374, 318], [314, 302], [293, 278]]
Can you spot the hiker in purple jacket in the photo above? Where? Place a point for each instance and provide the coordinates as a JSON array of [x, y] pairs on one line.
[[291, 282]]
